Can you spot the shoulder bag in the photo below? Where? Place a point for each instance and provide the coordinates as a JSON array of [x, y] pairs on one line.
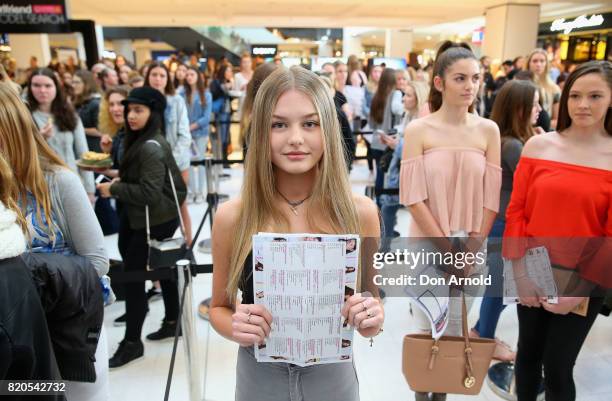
[[450, 365]]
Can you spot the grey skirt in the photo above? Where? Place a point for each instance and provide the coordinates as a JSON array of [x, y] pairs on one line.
[[265, 381]]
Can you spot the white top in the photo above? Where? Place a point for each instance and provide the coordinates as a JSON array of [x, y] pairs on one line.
[[240, 83], [355, 95]]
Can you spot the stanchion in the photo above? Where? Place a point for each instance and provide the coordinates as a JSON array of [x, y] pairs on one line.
[[205, 246], [501, 379], [217, 148], [190, 335]]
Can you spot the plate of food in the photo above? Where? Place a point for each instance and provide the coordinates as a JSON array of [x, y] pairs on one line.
[[95, 161]]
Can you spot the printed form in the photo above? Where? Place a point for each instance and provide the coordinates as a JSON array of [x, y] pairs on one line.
[[303, 280]]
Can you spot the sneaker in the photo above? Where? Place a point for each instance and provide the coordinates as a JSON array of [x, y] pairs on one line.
[[167, 330], [204, 308], [120, 321], [154, 294], [127, 352]]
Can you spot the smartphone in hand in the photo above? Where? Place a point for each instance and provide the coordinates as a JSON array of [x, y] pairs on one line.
[[101, 178]]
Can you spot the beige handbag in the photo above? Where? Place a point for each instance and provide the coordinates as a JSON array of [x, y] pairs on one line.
[[451, 365]]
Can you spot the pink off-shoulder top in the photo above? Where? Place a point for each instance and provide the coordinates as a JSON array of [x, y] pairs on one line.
[[455, 183]]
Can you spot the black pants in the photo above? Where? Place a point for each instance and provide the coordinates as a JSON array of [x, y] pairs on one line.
[[134, 251], [369, 156], [553, 341]]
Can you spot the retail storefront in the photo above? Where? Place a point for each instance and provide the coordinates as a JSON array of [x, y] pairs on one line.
[[578, 39]]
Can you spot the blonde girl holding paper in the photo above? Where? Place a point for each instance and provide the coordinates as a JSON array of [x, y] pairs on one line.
[[295, 181]]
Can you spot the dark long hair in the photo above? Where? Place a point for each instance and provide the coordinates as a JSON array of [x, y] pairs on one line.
[[448, 53], [386, 85], [220, 74], [512, 109], [63, 113], [169, 89], [200, 86], [603, 68], [176, 82], [133, 140], [90, 87]]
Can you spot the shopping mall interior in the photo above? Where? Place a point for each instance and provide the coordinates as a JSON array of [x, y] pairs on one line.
[[404, 35]]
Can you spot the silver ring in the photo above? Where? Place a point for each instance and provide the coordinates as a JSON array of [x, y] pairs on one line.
[[365, 308], [369, 314], [249, 318]]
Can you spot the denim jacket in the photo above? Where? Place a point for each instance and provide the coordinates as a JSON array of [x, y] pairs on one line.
[[393, 174], [199, 114], [177, 130]]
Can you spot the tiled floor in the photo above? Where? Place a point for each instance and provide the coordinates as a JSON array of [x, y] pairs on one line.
[[379, 367]]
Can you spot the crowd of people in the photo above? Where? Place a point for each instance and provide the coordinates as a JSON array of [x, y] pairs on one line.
[[497, 159]]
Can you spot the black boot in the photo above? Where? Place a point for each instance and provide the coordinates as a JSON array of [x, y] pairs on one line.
[[167, 330], [127, 352]]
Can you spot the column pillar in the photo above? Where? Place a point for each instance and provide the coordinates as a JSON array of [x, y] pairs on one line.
[[24, 46], [123, 47], [398, 43], [351, 43], [511, 30], [325, 49], [142, 55]]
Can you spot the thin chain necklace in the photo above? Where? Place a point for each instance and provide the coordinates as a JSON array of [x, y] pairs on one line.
[[294, 204]]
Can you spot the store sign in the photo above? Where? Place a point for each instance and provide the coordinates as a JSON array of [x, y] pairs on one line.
[[580, 22], [264, 51], [33, 16]]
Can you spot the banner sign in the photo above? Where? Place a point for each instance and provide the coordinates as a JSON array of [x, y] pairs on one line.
[[263, 50], [33, 16]]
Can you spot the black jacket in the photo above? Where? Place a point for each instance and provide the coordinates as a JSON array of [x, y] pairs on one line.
[[25, 347], [145, 181], [71, 296]]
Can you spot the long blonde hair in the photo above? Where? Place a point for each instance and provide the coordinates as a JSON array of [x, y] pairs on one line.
[[421, 92], [9, 192], [259, 75], [549, 88], [105, 120], [331, 195], [26, 151]]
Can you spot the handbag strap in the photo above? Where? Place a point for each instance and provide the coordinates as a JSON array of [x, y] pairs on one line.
[[466, 337], [176, 201]]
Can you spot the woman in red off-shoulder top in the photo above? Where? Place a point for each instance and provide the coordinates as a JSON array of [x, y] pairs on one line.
[[562, 199]]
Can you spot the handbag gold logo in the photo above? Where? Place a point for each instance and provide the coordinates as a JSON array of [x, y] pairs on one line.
[[469, 382]]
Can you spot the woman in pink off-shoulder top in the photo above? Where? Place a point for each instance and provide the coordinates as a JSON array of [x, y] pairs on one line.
[[450, 176]]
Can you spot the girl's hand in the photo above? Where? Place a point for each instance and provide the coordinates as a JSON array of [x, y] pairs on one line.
[[529, 293], [47, 131], [390, 141], [365, 313], [106, 143], [104, 188], [564, 306], [251, 325]]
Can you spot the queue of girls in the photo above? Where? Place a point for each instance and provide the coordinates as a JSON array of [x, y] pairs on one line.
[[456, 172]]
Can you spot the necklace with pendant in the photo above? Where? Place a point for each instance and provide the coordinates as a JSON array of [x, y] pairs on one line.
[[294, 204]]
